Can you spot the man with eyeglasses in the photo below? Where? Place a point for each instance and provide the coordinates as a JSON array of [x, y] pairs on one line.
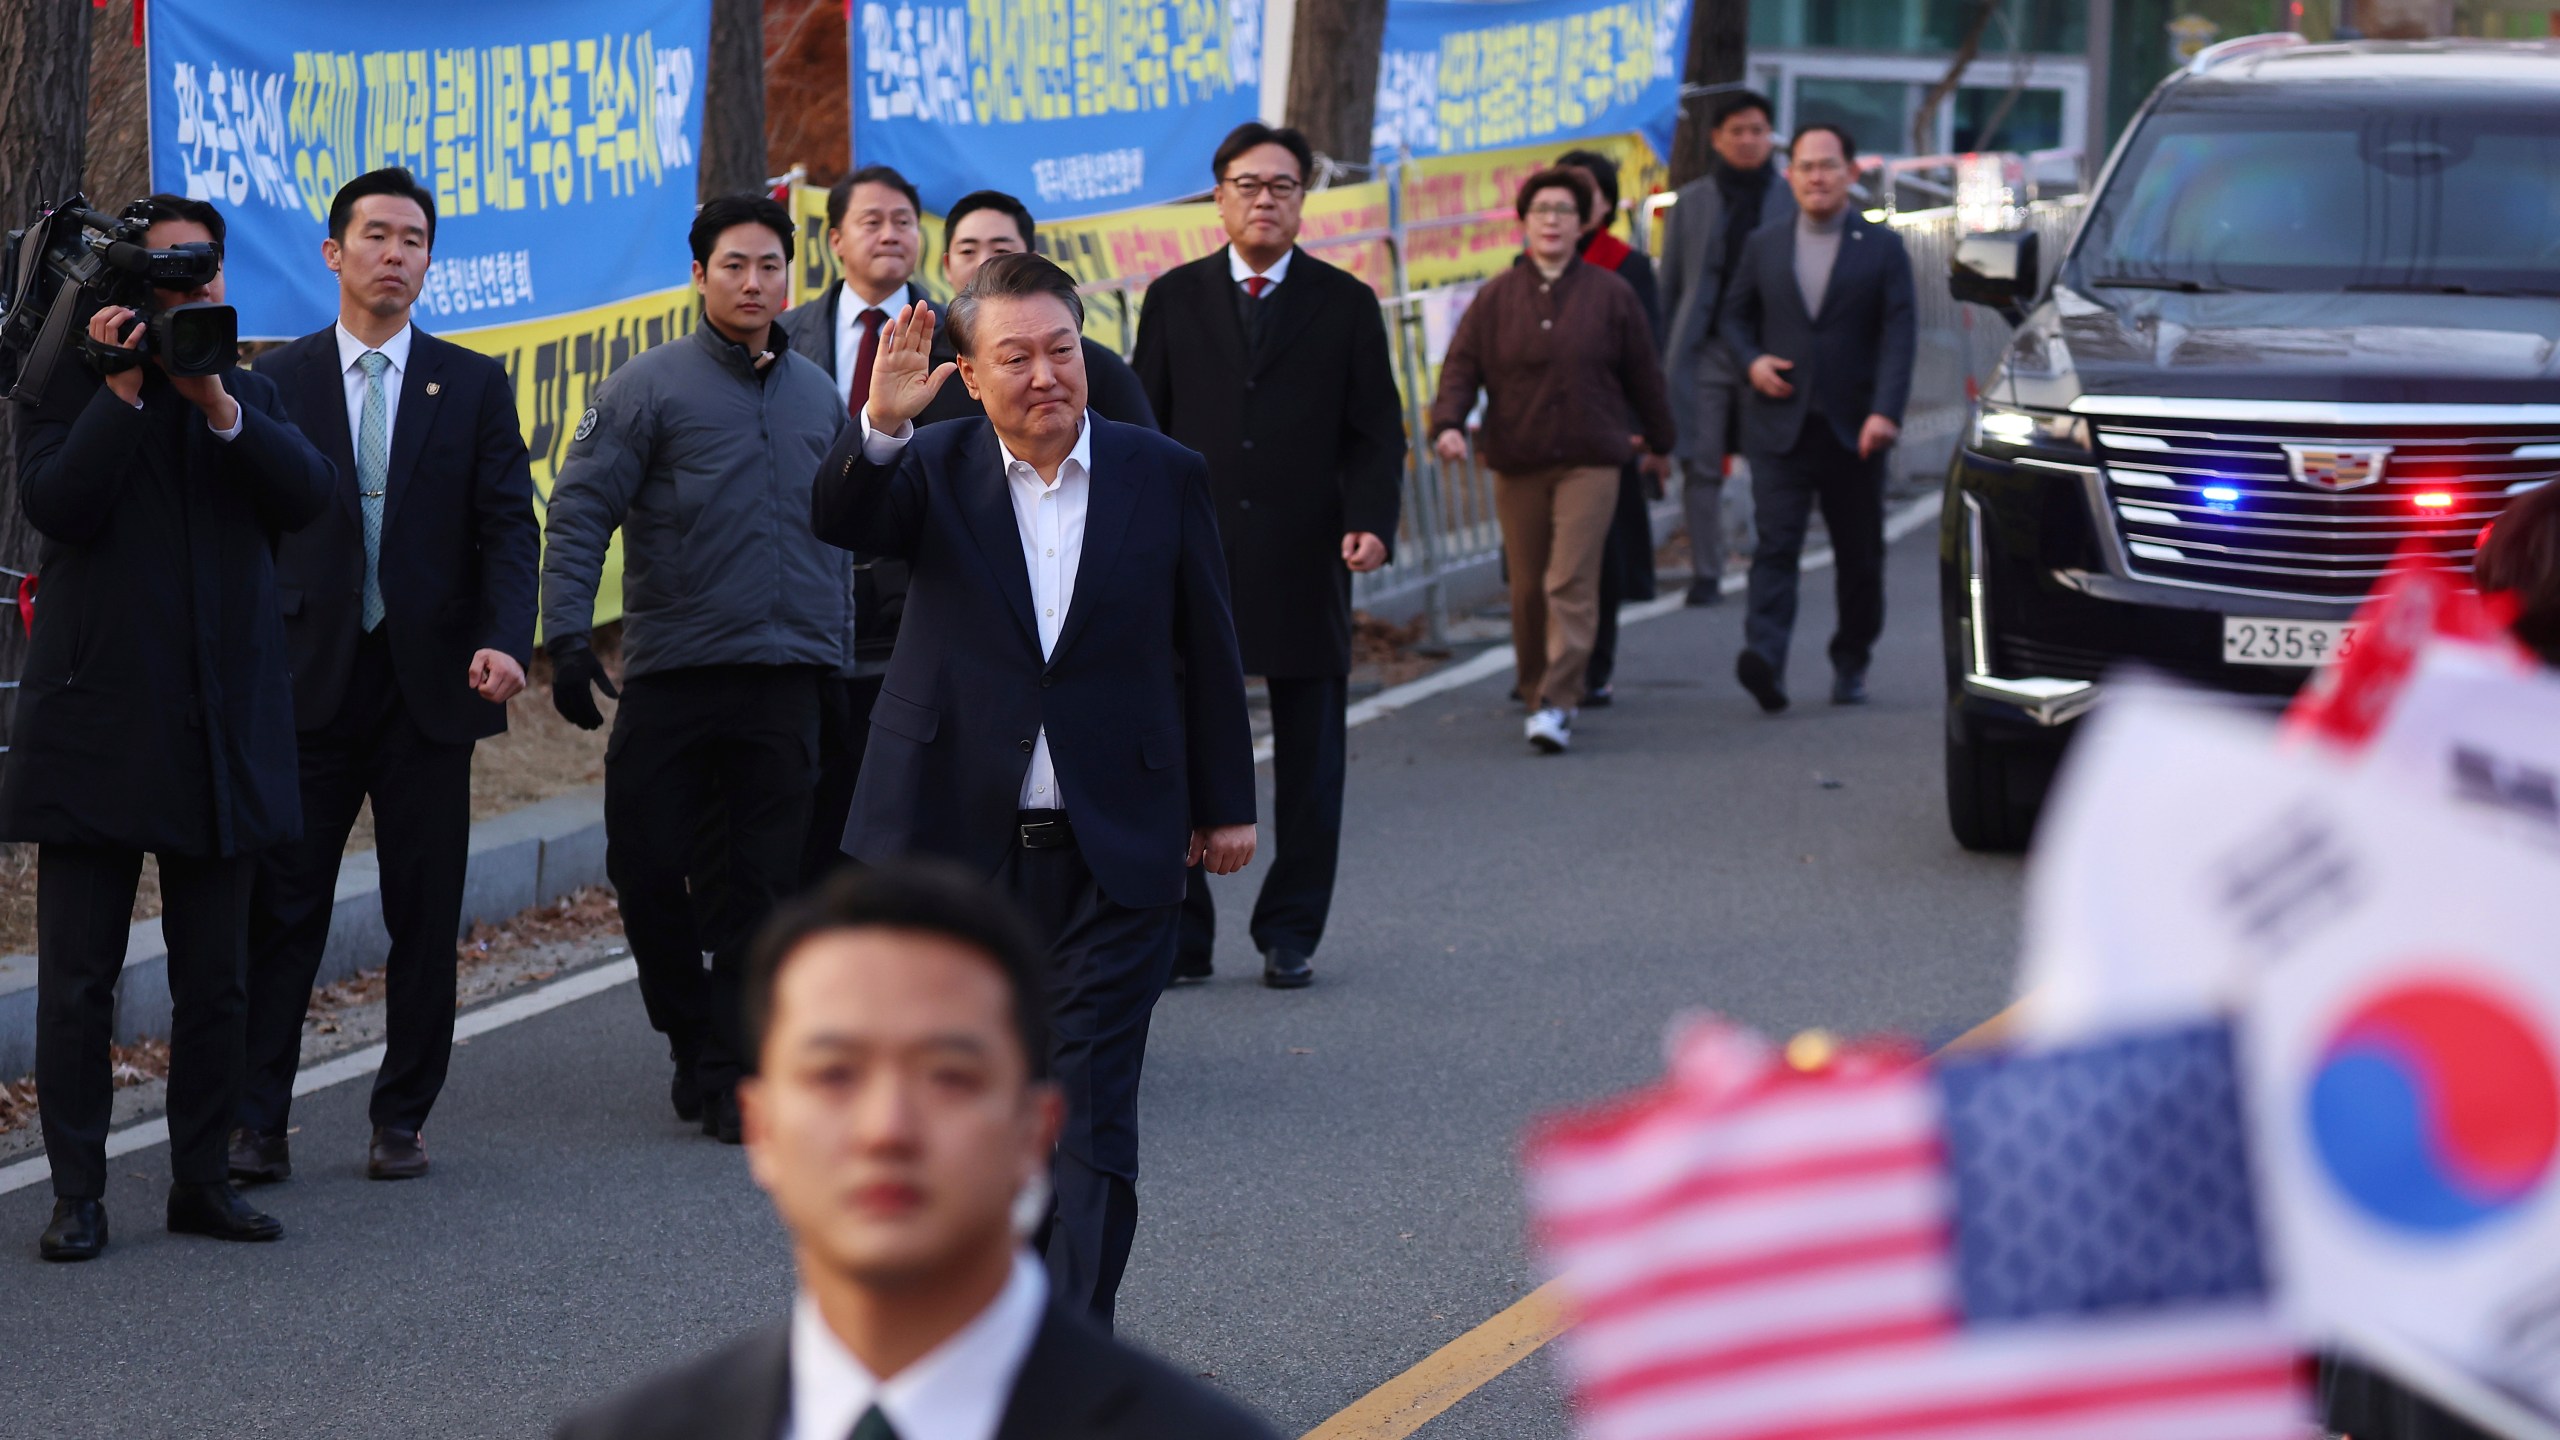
[[1273, 365], [1820, 321]]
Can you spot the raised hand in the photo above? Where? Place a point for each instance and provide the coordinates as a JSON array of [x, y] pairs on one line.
[[904, 378]]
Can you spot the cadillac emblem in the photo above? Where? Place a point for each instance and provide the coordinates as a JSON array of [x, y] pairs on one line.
[[2336, 467]]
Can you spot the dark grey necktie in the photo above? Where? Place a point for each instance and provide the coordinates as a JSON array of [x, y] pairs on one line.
[[873, 1426]]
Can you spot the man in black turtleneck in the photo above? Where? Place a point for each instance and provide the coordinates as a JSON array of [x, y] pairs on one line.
[[1715, 213]]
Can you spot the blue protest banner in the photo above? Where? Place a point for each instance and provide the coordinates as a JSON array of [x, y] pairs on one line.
[[559, 139], [1461, 75], [1077, 106]]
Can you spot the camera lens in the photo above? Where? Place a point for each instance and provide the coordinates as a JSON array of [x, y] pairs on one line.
[[197, 339]]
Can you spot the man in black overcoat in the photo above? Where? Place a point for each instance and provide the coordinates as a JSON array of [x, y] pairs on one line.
[[409, 617], [1274, 365], [156, 716]]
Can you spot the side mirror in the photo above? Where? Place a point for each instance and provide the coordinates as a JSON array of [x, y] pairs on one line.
[[1997, 269]]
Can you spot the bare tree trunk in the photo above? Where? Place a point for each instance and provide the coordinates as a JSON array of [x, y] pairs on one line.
[[733, 101], [119, 149], [44, 102], [1719, 40], [1333, 75]]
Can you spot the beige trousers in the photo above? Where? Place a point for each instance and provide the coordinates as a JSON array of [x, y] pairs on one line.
[[1554, 525]]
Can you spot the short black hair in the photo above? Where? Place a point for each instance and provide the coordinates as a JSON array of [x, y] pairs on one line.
[[840, 194], [1586, 196], [1009, 275], [152, 209], [722, 212], [1253, 132], [977, 200], [1848, 147], [1734, 103], [1603, 172], [390, 180], [932, 897]]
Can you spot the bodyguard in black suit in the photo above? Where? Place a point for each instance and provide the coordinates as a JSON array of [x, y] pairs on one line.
[[155, 716], [1064, 711], [1820, 318], [901, 1110], [1274, 365], [408, 611]]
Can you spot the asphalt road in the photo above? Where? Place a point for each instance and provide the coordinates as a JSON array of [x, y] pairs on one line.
[[1329, 1193]]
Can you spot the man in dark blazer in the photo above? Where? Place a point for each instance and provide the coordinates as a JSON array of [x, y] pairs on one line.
[[1821, 322], [980, 226], [408, 612], [902, 1182], [1274, 365], [1064, 711], [155, 715]]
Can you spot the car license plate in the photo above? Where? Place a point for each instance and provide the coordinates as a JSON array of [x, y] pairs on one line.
[[2247, 641]]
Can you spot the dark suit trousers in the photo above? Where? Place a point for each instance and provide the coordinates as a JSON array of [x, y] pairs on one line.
[[1784, 490], [84, 912], [1308, 760], [1108, 964], [421, 792], [707, 783], [844, 732], [1626, 573]]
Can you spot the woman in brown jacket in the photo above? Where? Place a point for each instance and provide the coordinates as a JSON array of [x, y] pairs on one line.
[[1573, 391]]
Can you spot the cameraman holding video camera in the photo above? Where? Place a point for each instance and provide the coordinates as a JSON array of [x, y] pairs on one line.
[[156, 716]]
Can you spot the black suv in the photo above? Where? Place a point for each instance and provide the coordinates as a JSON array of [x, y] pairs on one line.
[[2311, 319]]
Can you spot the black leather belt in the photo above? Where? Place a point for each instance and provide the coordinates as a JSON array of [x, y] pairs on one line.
[[1044, 829]]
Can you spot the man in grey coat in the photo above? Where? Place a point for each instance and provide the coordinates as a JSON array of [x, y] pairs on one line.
[[733, 617], [1701, 246]]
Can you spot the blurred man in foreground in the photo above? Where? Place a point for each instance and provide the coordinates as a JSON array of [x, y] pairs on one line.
[[901, 1118]]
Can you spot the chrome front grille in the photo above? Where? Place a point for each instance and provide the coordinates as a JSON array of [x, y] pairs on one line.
[[2216, 502]]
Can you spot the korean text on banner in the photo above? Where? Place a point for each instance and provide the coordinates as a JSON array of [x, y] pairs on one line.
[[560, 141], [1077, 106], [1460, 75]]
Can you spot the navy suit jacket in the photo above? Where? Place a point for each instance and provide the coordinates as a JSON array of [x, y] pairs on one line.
[[1851, 361], [1143, 697], [461, 549]]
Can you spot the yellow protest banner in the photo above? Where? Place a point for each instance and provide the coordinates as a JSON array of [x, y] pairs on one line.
[[1443, 247]]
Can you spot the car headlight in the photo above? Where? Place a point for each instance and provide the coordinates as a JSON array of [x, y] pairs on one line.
[[1997, 429]]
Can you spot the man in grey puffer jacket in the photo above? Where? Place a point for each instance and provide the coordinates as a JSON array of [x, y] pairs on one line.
[[702, 451]]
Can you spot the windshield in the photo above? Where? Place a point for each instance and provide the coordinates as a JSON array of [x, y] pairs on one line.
[[2359, 196]]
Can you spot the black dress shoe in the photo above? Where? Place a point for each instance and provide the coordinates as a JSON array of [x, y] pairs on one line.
[[685, 1093], [217, 1210], [720, 1117], [1760, 678], [1703, 593], [1600, 698], [395, 1155], [259, 1159], [1849, 687], [1190, 971], [1285, 969], [78, 1231]]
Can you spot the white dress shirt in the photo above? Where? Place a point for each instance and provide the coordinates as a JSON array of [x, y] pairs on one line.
[[958, 1391], [1242, 272], [849, 308], [1049, 516], [351, 375]]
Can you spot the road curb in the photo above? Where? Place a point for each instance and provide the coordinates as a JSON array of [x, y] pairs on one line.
[[520, 859]]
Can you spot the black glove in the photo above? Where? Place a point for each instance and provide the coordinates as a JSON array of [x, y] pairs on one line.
[[574, 668]]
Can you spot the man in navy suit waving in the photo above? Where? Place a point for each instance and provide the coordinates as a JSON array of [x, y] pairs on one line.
[[1065, 708]]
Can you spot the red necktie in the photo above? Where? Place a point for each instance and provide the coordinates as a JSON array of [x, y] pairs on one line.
[[863, 354], [1254, 285]]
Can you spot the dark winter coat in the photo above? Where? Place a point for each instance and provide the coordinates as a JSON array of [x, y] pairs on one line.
[[156, 711]]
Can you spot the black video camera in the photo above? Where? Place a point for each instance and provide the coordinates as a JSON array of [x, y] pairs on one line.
[[75, 261]]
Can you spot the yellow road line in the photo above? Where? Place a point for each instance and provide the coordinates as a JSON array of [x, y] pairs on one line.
[[1465, 1365], [1452, 1372]]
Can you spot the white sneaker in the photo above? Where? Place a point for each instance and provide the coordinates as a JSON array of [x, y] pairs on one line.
[[1551, 731]]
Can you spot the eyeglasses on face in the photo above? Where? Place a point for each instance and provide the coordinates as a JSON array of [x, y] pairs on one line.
[[1252, 187], [1556, 212]]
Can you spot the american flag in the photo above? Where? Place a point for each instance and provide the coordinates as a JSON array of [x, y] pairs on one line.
[[2061, 1246]]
